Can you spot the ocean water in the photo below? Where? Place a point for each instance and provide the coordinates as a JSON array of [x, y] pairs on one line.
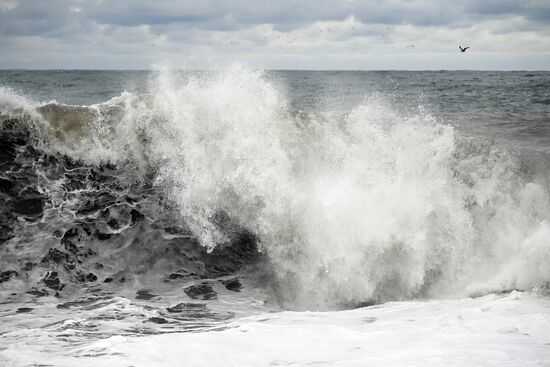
[[256, 218]]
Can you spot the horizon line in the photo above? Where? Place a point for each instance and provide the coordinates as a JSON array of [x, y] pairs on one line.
[[267, 69]]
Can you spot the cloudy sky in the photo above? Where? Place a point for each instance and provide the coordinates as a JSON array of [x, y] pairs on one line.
[[275, 34]]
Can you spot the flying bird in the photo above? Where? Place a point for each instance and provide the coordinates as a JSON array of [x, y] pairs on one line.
[[463, 49]]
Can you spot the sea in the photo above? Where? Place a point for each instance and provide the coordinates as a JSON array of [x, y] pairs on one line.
[[247, 217]]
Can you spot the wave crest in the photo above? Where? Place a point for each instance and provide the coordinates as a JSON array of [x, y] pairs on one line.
[[374, 205]]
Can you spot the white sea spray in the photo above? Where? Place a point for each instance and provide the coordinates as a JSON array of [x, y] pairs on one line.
[[373, 205]]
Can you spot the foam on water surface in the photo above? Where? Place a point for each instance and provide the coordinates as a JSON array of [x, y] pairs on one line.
[[506, 330]]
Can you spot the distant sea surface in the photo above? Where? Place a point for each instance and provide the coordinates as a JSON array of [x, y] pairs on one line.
[[508, 105]]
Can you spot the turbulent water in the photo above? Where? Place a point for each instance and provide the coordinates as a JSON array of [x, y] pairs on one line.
[[138, 203]]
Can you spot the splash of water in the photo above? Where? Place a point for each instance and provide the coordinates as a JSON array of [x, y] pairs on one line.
[[373, 205]]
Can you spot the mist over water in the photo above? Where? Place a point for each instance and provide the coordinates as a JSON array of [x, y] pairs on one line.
[[367, 202]]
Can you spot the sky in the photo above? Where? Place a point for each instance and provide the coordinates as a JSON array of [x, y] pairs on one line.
[[276, 34]]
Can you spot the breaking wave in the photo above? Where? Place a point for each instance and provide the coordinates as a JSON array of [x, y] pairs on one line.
[[368, 206]]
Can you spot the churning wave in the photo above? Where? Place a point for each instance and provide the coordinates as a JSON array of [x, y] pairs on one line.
[[339, 210]]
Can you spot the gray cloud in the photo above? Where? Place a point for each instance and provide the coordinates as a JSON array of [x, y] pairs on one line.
[[39, 17], [298, 12], [269, 33], [34, 18]]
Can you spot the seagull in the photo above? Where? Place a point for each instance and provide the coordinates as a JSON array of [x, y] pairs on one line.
[[463, 49]]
